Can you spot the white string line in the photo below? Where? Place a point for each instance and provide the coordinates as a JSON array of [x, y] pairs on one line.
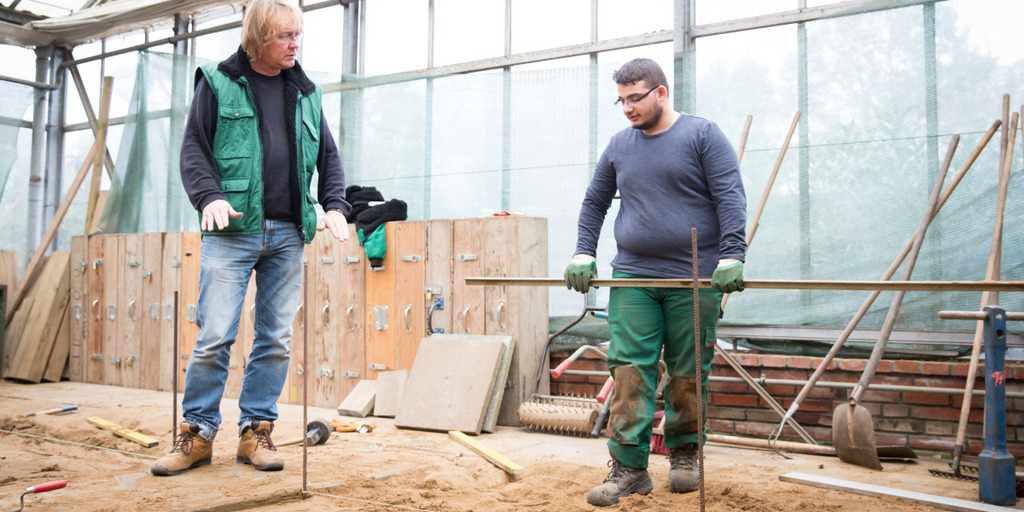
[[79, 444]]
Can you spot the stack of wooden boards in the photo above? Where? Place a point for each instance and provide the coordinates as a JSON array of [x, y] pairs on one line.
[[358, 323], [36, 342]]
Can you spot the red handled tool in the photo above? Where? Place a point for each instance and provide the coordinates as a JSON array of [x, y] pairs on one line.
[[48, 486]]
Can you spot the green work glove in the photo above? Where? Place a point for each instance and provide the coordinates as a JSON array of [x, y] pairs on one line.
[[580, 271], [728, 277]]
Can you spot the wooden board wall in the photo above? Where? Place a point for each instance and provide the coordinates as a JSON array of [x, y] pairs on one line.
[[467, 301], [78, 314], [191, 243], [149, 313], [96, 301], [170, 279], [380, 293], [437, 270], [410, 301]]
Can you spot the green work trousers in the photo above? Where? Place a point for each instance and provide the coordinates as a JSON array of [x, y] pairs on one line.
[[645, 325]]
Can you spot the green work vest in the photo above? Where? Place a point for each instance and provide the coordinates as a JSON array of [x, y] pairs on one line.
[[237, 151]]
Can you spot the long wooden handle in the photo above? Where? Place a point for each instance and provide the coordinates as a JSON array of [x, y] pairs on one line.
[[908, 269], [766, 284]]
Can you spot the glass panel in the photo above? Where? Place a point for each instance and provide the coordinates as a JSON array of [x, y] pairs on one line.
[[396, 36], [467, 30], [709, 11], [621, 18], [322, 42], [541, 24]]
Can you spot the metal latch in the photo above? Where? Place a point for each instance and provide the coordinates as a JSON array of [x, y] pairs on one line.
[[432, 289], [111, 312], [350, 259], [466, 257], [380, 318], [325, 261], [377, 366], [348, 374], [412, 259], [324, 372]]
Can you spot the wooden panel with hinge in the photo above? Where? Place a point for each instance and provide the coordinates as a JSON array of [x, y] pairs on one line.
[[410, 303], [188, 331], [381, 319], [78, 319], [149, 310], [95, 303], [325, 319], [129, 309], [527, 315], [113, 262], [170, 279], [437, 270], [467, 301], [297, 375], [350, 324]]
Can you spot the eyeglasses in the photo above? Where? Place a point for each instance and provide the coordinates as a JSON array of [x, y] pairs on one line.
[[294, 36], [629, 102]]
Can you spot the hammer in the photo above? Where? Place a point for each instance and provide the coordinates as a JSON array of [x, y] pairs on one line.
[[317, 432]]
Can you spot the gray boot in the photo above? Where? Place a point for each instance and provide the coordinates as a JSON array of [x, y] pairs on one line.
[[621, 482], [683, 476]]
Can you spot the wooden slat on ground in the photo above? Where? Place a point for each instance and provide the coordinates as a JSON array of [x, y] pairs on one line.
[[514, 470], [126, 433], [51, 293]]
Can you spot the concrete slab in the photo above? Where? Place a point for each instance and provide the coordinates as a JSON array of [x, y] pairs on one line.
[[390, 388], [450, 384], [359, 401]]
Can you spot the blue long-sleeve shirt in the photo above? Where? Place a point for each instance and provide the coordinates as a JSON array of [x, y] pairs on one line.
[[685, 177]]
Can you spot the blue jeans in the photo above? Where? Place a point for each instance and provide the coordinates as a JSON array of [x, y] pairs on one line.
[[227, 263]]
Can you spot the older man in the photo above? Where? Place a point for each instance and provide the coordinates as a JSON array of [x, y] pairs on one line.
[[255, 133]]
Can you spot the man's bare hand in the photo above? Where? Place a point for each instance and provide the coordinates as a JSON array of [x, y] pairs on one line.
[[217, 214], [336, 223]]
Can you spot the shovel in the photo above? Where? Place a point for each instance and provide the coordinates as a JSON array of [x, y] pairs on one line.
[[853, 431]]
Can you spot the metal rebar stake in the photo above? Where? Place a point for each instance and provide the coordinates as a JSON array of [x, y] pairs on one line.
[[697, 368], [305, 356], [174, 372]]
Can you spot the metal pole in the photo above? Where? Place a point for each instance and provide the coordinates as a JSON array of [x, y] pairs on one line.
[[174, 371], [769, 284], [697, 368], [305, 365]]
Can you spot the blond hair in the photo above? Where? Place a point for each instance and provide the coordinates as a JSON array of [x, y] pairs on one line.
[[263, 19]]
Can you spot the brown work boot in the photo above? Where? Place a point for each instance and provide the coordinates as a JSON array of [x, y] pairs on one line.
[[255, 447], [621, 482], [683, 475], [189, 451]]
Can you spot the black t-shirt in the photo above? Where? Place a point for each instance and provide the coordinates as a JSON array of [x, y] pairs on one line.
[[277, 201]]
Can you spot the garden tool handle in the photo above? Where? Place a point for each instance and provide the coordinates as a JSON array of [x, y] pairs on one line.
[[48, 486], [606, 390]]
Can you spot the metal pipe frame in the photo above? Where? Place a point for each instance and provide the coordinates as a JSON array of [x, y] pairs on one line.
[[835, 385]]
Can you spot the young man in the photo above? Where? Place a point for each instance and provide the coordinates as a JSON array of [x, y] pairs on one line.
[[673, 172], [255, 133]]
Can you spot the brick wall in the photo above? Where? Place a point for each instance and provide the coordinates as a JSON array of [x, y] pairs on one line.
[[922, 421]]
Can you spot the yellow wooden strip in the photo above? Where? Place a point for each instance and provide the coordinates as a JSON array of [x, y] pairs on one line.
[[492, 456], [118, 430]]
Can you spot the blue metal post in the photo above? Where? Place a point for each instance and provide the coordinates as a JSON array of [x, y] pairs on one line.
[[996, 467]]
